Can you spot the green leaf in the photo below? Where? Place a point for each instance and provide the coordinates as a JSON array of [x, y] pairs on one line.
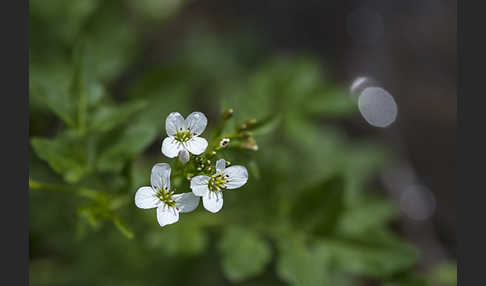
[[57, 100], [334, 102], [301, 265], [126, 144], [181, 239], [65, 155], [164, 95], [444, 274], [113, 44], [376, 254], [368, 213], [108, 117], [318, 208], [245, 254]]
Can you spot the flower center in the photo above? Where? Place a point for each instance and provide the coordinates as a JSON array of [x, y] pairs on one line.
[[183, 135], [165, 197], [216, 182]]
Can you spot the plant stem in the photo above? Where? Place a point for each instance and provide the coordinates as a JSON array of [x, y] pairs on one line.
[[83, 192]]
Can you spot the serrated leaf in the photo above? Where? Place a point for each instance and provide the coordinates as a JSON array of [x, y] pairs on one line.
[[245, 253]]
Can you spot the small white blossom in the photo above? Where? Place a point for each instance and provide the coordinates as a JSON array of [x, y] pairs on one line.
[[159, 196], [184, 134], [211, 188]]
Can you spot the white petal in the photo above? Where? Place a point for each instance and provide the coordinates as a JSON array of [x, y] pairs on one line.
[[160, 176], [171, 148], [167, 215], [145, 198], [213, 201], [196, 122], [186, 202], [199, 185], [220, 165], [237, 176], [184, 156], [174, 122], [196, 145]]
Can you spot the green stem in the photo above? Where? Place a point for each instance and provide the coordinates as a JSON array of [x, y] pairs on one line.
[[82, 192]]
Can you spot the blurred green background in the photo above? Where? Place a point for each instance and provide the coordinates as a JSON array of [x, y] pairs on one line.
[[104, 75]]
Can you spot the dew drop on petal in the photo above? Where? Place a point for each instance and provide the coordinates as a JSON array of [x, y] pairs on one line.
[[377, 106]]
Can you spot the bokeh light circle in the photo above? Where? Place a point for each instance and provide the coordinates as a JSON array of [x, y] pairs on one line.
[[377, 106], [417, 202]]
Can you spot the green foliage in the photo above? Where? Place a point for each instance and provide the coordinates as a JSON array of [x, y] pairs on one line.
[[99, 95], [302, 265], [65, 155], [320, 207], [376, 255], [444, 274], [245, 253]]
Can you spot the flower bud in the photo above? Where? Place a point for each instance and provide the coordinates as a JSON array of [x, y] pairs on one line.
[[228, 113], [250, 123], [224, 142], [242, 127], [184, 156], [250, 144], [245, 134]]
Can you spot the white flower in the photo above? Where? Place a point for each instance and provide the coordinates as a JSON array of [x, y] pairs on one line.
[[184, 134], [159, 196], [211, 188]]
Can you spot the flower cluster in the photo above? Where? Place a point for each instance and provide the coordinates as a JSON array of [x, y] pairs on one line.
[[182, 141]]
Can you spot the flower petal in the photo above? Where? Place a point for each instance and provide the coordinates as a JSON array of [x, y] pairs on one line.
[[220, 165], [199, 185], [171, 148], [160, 176], [196, 145], [145, 198], [186, 202], [174, 122], [237, 176], [167, 215], [196, 122], [184, 156], [213, 201]]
